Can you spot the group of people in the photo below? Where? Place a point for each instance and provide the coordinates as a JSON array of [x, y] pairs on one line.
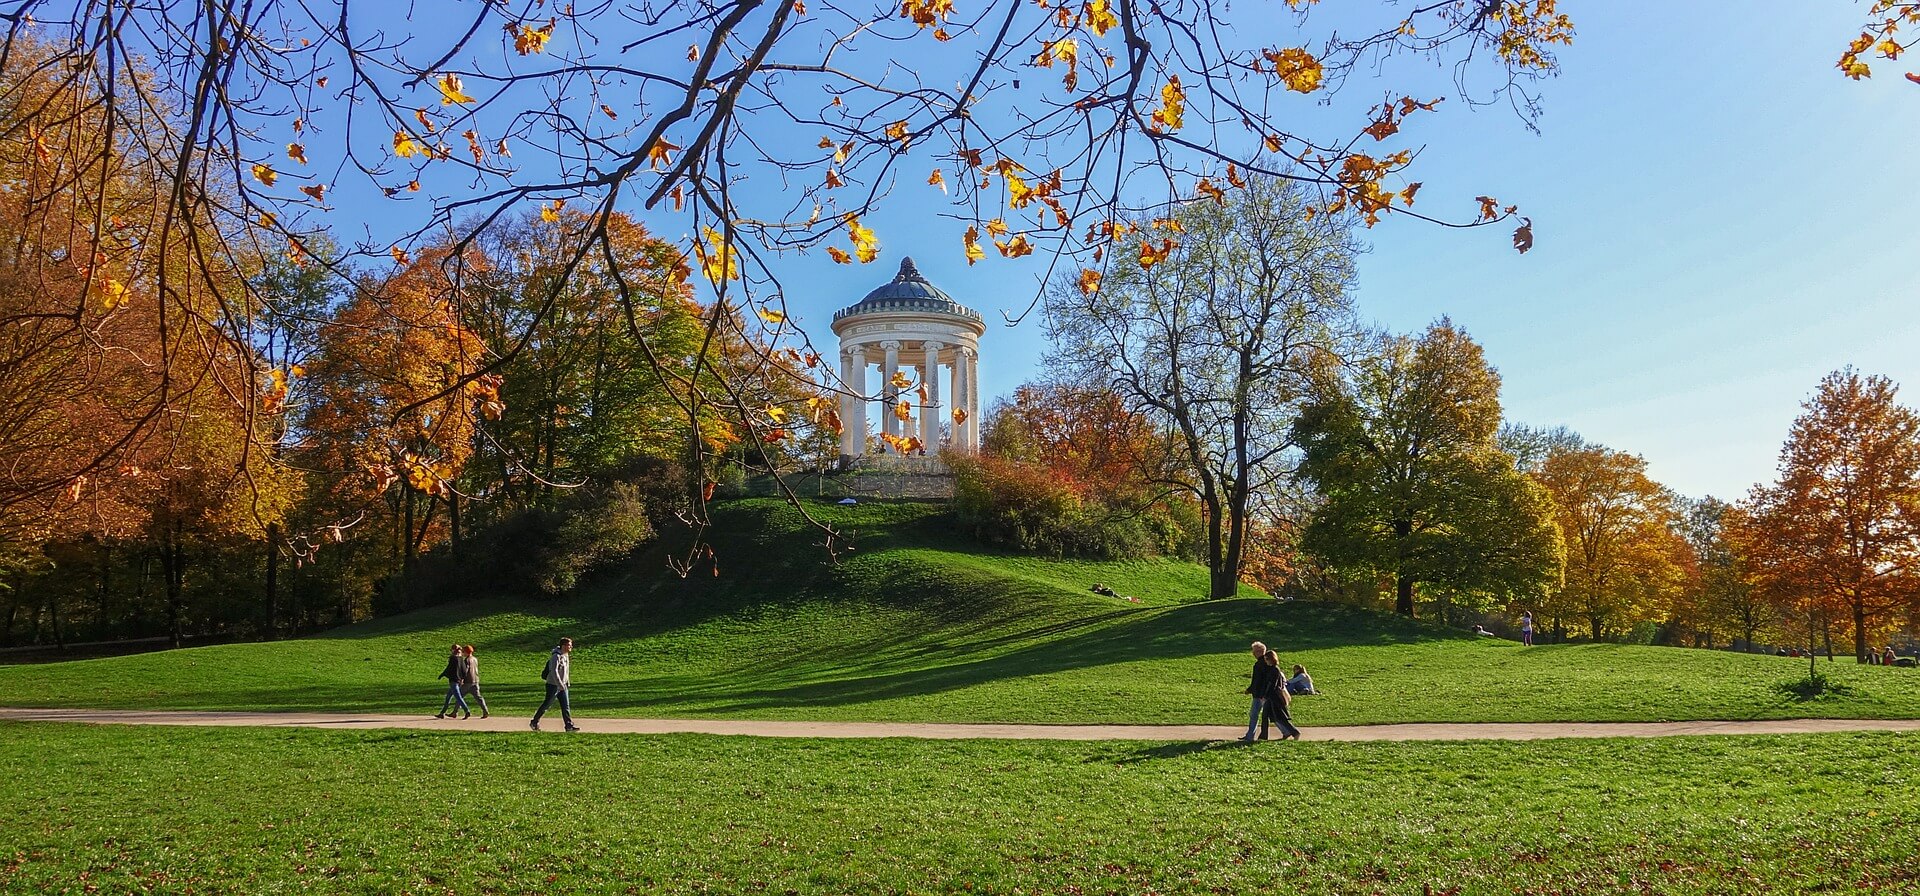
[[463, 680], [1273, 692]]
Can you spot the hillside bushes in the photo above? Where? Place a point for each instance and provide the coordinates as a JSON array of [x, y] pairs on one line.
[[1029, 507]]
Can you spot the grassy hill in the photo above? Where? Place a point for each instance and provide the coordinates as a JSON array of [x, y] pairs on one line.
[[919, 623]]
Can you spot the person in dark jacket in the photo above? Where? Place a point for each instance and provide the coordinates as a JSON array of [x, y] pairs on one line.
[[1264, 678], [1279, 703], [456, 675]]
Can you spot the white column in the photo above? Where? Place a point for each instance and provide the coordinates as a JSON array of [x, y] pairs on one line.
[[973, 400], [856, 422], [959, 400], [888, 422], [846, 402], [930, 408]]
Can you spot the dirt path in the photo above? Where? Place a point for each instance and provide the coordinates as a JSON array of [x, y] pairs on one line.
[[758, 728]]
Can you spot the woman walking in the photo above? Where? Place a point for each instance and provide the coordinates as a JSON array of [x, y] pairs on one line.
[[472, 683], [1279, 703], [455, 673]]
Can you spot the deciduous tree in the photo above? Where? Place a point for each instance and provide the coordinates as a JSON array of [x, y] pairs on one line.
[[1624, 557], [1841, 525], [1413, 486], [1218, 339]]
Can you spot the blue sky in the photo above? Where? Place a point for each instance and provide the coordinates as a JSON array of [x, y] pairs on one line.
[[1721, 220]]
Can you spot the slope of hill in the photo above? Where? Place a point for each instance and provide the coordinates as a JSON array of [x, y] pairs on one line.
[[918, 623]]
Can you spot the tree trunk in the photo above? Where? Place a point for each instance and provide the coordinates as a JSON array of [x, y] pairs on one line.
[[53, 612], [106, 589], [406, 527], [1593, 623], [273, 579], [1859, 633], [173, 561], [1403, 594]]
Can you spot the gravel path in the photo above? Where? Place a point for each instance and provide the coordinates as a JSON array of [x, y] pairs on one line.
[[763, 728]]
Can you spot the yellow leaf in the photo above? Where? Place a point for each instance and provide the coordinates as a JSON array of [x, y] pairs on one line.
[[897, 131], [1016, 247], [839, 255], [959, 416], [771, 316], [112, 293], [265, 174], [1089, 281], [405, 146], [1098, 14], [972, 240], [865, 246], [450, 92], [399, 254], [528, 39], [900, 380], [938, 179], [1173, 105], [996, 227], [716, 263], [903, 410], [776, 414], [1297, 69]]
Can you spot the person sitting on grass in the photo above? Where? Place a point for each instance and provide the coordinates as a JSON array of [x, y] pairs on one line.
[[1301, 683], [1888, 657]]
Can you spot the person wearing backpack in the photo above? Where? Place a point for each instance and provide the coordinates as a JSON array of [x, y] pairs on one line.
[[558, 676]]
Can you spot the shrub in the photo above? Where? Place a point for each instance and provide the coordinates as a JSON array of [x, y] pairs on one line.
[[1029, 508]]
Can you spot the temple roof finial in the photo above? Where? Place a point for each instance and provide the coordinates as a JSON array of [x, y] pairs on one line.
[[908, 271]]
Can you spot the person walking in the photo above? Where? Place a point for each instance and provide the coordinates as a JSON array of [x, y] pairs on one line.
[[1264, 679], [558, 675], [472, 683], [456, 674], [1526, 628], [1279, 704]]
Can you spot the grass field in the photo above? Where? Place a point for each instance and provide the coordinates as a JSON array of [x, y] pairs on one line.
[[210, 811], [921, 624]]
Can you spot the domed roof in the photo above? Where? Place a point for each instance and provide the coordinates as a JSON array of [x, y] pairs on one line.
[[908, 291]]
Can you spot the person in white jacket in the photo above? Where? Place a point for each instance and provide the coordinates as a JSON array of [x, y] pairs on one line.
[[558, 676]]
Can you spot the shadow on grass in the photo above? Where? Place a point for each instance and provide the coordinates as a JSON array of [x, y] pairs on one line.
[[1139, 753]]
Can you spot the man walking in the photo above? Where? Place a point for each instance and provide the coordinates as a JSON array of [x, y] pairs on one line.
[[557, 675]]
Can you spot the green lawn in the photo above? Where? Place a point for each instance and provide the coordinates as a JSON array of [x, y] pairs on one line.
[[211, 811], [919, 623]]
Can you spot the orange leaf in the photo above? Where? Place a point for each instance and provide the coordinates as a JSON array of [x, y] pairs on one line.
[[1089, 281], [1523, 235]]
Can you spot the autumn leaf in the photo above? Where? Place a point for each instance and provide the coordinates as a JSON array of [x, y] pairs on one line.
[[903, 410], [1016, 247], [1489, 207], [405, 146], [1297, 69], [528, 39], [112, 293], [1523, 235], [608, 112], [972, 241], [716, 263], [1406, 195], [657, 153], [959, 416], [1206, 188], [317, 191], [771, 316], [776, 413], [1233, 176], [996, 228], [550, 213], [1173, 104], [937, 179], [1151, 254], [833, 179], [900, 380], [399, 255], [297, 153], [865, 246], [450, 92], [265, 174], [839, 255], [897, 131], [926, 12], [1089, 281], [1099, 17]]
